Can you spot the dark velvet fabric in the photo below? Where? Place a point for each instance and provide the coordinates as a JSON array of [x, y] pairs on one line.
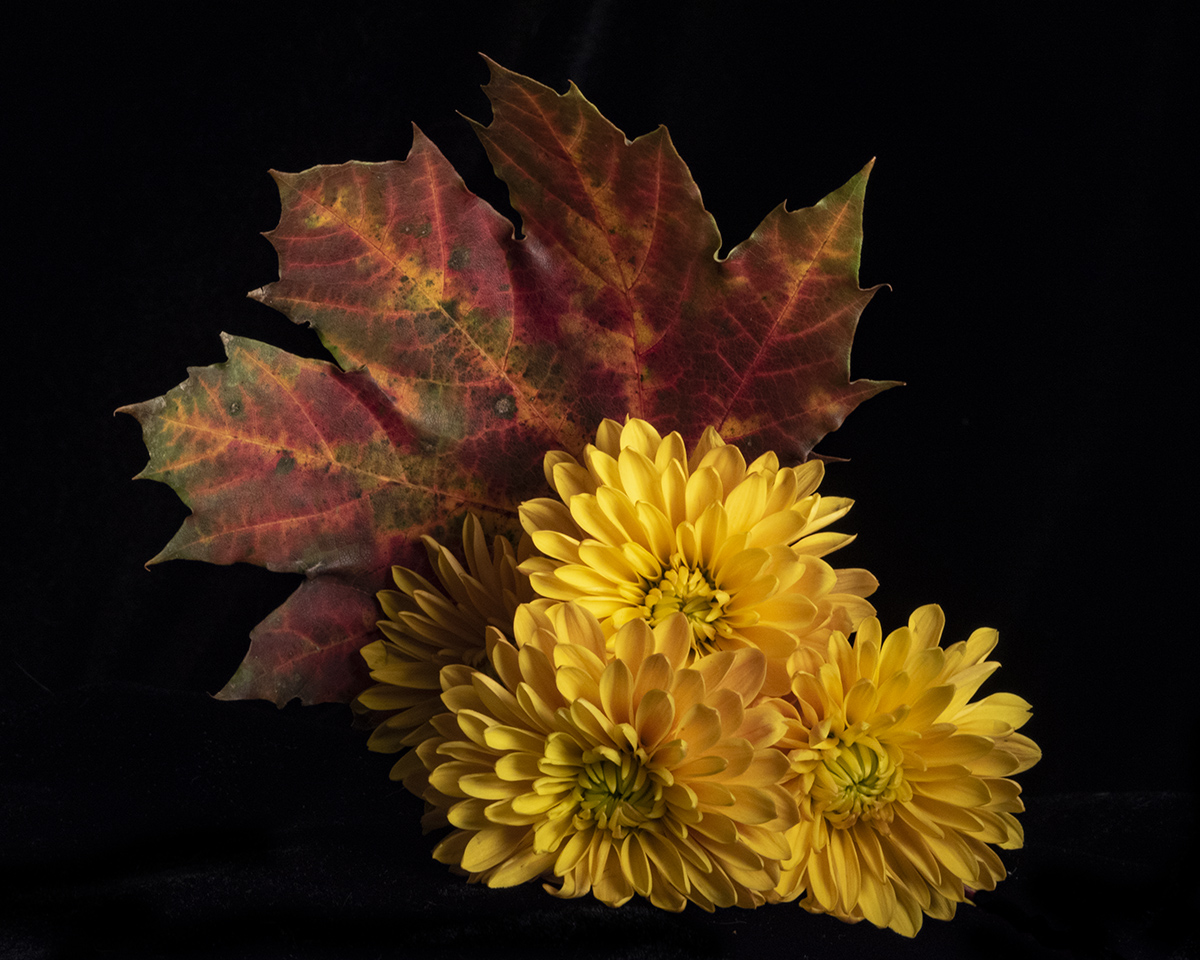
[[144, 824], [1032, 476]]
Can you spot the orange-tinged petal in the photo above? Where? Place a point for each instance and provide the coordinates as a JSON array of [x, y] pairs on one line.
[[578, 673], [655, 717], [711, 794], [592, 723], [616, 692], [736, 756], [751, 805], [700, 729], [743, 865], [672, 638]]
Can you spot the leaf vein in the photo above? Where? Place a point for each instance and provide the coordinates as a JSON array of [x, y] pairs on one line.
[[501, 367], [762, 347]]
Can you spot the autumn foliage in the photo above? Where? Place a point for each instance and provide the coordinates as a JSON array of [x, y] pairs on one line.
[[463, 353]]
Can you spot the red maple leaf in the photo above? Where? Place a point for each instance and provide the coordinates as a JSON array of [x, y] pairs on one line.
[[464, 354]]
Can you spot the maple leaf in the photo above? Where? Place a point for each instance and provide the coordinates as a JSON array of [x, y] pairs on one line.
[[464, 353]]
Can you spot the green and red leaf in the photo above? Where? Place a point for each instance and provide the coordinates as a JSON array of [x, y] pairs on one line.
[[308, 648], [465, 353]]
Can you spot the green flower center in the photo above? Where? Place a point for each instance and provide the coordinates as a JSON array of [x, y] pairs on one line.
[[688, 590], [859, 780], [617, 792]]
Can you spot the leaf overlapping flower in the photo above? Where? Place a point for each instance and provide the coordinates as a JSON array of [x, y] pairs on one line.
[[711, 737], [655, 693]]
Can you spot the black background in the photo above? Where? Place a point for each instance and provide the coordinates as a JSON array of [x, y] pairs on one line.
[[1026, 210]]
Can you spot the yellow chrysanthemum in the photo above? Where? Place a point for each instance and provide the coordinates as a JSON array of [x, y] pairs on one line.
[[644, 531], [612, 771], [901, 781], [427, 628]]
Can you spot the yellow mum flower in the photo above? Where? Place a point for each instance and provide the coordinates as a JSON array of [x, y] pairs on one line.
[[612, 772], [901, 781], [644, 531], [427, 628]]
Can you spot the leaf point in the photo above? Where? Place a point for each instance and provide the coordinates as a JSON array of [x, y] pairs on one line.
[[615, 301]]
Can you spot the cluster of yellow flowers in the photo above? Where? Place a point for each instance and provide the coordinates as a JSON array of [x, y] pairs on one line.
[[656, 693]]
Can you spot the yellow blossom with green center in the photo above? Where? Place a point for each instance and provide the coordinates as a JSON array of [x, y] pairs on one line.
[[901, 781], [858, 780], [687, 590], [612, 767], [617, 791], [644, 529]]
